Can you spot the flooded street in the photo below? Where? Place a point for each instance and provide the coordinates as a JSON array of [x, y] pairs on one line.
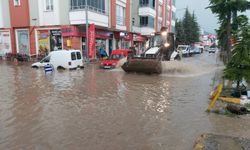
[[94, 109]]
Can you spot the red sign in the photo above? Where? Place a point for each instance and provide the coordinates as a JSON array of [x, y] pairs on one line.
[[91, 41], [70, 31]]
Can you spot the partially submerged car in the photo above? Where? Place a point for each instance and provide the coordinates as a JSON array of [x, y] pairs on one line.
[[114, 58], [62, 59]]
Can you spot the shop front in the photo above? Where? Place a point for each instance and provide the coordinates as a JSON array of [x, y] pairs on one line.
[[5, 42], [139, 42], [22, 41], [102, 40], [74, 38], [48, 40], [123, 40]]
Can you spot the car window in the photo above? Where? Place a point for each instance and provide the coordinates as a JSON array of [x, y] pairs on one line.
[[45, 60], [73, 56], [78, 54], [116, 56]]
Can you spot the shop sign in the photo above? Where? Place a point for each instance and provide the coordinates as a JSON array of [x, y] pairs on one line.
[[128, 37], [103, 34], [55, 40], [91, 41], [139, 38], [70, 31], [43, 41], [23, 41], [4, 42]]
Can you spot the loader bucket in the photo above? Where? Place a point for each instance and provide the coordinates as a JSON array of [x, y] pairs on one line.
[[142, 65]]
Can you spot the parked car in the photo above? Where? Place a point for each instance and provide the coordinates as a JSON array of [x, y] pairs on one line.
[[212, 50], [196, 49], [114, 58], [184, 50], [64, 59]]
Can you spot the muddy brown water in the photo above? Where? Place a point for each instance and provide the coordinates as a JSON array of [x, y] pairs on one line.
[[94, 109]]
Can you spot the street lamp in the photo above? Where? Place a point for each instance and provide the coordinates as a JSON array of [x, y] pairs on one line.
[[87, 28]]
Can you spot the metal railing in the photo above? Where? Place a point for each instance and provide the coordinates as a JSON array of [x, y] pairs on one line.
[[147, 5], [120, 20], [89, 8]]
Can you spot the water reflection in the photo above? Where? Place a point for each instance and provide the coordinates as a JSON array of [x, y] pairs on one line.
[[100, 109]]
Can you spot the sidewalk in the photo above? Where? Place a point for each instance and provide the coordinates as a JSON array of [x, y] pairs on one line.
[[220, 142]]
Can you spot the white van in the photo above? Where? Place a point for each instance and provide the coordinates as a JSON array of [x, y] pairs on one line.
[[64, 59]]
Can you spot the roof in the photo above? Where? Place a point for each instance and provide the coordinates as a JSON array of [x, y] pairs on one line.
[[152, 50]]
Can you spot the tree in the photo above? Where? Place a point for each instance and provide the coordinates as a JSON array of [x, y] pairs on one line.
[[226, 10], [187, 29], [238, 68], [180, 37], [195, 30]]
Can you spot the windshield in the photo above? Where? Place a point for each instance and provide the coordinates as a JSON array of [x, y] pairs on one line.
[[116, 57], [182, 48], [45, 60], [155, 41]]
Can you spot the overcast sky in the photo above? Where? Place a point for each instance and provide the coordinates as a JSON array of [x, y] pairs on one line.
[[206, 19]]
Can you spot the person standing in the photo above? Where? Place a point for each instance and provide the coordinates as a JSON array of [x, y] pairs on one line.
[[103, 53]]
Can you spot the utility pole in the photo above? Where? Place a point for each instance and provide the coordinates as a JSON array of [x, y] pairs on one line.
[[87, 28]]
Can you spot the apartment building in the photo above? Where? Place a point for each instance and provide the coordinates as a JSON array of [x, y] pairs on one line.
[[148, 16], [35, 27]]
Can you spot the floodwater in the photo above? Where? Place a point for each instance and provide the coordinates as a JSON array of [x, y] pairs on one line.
[[94, 109]]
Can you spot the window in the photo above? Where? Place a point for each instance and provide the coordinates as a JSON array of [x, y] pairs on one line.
[[143, 21], [73, 56], [147, 21], [159, 25], [160, 10], [17, 3], [147, 3], [93, 5], [120, 15], [49, 5], [46, 60], [78, 54], [143, 2]]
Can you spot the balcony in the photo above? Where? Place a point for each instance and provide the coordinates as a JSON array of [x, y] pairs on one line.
[[120, 23], [97, 16], [143, 30], [147, 30], [147, 10]]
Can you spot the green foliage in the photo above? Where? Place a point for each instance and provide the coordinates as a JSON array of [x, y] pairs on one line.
[[238, 68], [187, 29], [179, 32], [226, 10]]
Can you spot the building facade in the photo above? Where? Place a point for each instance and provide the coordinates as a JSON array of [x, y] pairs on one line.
[[41, 26]]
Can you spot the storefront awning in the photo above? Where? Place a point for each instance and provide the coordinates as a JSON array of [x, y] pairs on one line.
[[140, 38]]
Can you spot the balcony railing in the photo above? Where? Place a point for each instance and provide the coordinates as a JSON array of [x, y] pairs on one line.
[[89, 8], [147, 5], [147, 25], [120, 20]]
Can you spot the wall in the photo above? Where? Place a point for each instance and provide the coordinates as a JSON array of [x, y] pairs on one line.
[[4, 14], [113, 14], [64, 12], [19, 15], [48, 17], [34, 12]]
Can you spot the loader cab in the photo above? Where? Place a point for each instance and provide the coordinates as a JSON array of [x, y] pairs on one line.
[[155, 40]]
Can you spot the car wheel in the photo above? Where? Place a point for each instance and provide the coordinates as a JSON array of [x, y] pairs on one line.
[[35, 67], [60, 68]]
